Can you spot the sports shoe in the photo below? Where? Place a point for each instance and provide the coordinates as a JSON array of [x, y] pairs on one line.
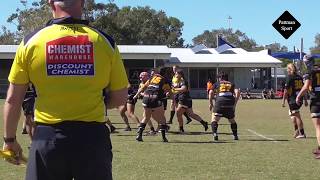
[[189, 120], [127, 128], [139, 138], [317, 156], [301, 136], [181, 130], [316, 151], [235, 138], [112, 129], [24, 131], [215, 138], [151, 133], [205, 125], [165, 140]]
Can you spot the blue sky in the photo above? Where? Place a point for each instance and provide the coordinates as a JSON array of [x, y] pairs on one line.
[[254, 17]]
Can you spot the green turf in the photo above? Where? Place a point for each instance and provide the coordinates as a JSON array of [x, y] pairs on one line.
[[194, 156]]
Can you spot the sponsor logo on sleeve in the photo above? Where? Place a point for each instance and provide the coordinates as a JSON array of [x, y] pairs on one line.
[[70, 56]]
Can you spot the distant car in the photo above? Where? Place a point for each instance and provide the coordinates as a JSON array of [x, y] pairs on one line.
[[279, 93]]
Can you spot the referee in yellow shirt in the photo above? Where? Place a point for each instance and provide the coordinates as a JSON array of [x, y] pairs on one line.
[[69, 63]]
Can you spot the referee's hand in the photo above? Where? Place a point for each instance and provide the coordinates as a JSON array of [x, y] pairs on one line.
[[14, 152]]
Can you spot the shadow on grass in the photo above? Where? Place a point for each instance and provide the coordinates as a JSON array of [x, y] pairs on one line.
[[198, 124], [126, 135], [265, 140], [195, 133], [188, 133], [200, 142]]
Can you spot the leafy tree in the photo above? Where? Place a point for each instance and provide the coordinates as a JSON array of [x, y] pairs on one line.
[[139, 25], [237, 38], [7, 37], [28, 20], [128, 25], [316, 48], [276, 47]]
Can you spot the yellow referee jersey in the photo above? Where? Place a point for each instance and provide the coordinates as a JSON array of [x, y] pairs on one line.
[[69, 63]]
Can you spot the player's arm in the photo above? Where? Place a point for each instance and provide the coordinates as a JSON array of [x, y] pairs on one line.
[[167, 89], [182, 89], [142, 89], [303, 91]]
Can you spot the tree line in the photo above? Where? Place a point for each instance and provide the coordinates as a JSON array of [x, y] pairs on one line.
[[132, 26]]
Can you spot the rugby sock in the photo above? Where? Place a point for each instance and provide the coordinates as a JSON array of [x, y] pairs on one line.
[[172, 115], [214, 126], [295, 127], [181, 129], [186, 115], [301, 131], [204, 124], [141, 128], [163, 132], [234, 128]]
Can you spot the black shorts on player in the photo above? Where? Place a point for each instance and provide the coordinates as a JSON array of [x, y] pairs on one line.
[[148, 102], [315, 108], [294, 108], [224, 107], [132, 101], [185, 103]]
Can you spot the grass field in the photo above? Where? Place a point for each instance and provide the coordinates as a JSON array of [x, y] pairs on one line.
[[266, 149]]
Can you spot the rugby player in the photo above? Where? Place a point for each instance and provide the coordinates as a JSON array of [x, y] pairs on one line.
[[154, 90], [184, 102], [312, 81], [293, 85], [174, 99], [225, 104], [144, 77]]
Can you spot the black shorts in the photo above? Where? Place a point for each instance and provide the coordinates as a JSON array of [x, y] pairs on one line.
[[70, 150], [185, 103], [224, 107], [176, 97], [315, 108], [294, 108], [28, 106], [148, 102], [130, 100]]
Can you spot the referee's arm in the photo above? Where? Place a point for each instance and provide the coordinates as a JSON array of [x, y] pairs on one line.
[[12, 108], [118, 87], [117, 98]]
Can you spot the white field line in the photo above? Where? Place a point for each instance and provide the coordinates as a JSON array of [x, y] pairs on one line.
[[262, 136], [271, 135]]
